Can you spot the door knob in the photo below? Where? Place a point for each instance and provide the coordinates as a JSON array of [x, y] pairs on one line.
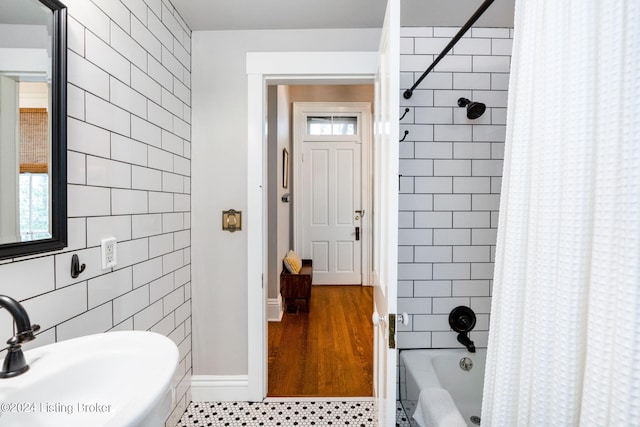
[[376, 318], [403, 319]]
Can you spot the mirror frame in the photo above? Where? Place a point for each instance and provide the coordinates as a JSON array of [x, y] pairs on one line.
[[58, 239]]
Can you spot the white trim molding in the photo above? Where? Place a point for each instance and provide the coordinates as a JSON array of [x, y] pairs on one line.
[[265, 68], [219, 388], [305, 64], [274, 309]]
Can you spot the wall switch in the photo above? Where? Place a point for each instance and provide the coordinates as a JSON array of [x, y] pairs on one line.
[[109, 253]]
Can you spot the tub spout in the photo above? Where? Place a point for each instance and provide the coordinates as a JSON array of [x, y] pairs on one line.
[[463, 339]]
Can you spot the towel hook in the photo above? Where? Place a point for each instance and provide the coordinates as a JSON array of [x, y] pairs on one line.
[[406, 132], [76, 268]]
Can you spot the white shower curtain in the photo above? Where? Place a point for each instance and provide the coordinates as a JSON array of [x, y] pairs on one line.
[[564, 341]]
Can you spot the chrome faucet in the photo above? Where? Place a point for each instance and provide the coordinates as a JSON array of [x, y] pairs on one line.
[[14, 363]]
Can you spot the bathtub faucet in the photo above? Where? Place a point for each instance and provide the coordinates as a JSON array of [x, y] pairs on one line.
[[462, 320], [463, 339]]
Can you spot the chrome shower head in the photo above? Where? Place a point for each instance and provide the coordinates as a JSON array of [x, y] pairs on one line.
[[474, 109]]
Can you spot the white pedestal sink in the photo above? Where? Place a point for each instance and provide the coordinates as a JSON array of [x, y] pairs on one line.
[[111, 379]]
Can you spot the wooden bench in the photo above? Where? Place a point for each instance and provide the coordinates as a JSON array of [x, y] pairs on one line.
[[296, 286]]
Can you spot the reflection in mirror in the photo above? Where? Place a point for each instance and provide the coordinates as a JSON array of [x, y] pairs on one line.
[[32, 126], [34, 148]]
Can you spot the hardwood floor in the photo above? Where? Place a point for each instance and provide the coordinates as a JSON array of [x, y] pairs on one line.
[[327, 351]]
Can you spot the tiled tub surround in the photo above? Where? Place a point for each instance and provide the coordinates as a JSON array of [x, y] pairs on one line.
[[450, 180], [129, 173]]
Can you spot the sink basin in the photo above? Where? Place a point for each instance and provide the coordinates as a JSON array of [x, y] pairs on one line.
[[111, 379]]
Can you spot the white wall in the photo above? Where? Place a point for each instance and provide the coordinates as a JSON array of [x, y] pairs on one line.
[[9, 160], [219, 180], [279, 212], [129, 177], [24, 36], [285, 210]]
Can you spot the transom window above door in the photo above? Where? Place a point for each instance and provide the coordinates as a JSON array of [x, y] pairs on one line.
[[332, 125]]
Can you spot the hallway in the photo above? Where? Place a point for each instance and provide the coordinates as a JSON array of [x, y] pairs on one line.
[[327, 352]]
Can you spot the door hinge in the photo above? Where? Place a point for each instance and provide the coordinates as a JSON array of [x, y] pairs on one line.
[[392, 330]]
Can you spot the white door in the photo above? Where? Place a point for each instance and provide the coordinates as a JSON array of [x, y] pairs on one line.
[[329, 201], [330, 224], [385, 215]]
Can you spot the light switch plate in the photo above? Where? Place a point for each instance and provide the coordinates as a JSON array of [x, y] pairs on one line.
[[109, 253]]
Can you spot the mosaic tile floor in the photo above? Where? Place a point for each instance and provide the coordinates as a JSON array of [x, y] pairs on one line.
[[319, 413], [402, 420]]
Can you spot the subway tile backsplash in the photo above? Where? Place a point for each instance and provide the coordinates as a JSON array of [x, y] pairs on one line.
[[451, 170], [129, 167]]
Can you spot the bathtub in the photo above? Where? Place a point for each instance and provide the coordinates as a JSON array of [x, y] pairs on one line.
[[437, 391]]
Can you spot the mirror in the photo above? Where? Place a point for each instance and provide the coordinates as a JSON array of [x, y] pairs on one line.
[[33, 117]]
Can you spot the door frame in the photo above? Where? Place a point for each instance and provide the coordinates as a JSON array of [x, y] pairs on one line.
[[364, 112], [264, 68]]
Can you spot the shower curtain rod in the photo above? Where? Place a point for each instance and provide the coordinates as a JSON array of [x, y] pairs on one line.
[[483, 7]]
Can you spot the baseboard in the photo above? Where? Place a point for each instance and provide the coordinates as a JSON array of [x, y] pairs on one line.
[[217, 388], [371, 279], [274, 309]]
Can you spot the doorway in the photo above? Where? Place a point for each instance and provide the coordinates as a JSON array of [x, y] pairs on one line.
[[328, 350], [331, 143], [381, 67]]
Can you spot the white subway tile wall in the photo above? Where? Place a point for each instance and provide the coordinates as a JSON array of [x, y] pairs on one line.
[[450, 181], [129, 106]]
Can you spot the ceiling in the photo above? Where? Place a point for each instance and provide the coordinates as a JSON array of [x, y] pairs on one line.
[[307, 14]]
